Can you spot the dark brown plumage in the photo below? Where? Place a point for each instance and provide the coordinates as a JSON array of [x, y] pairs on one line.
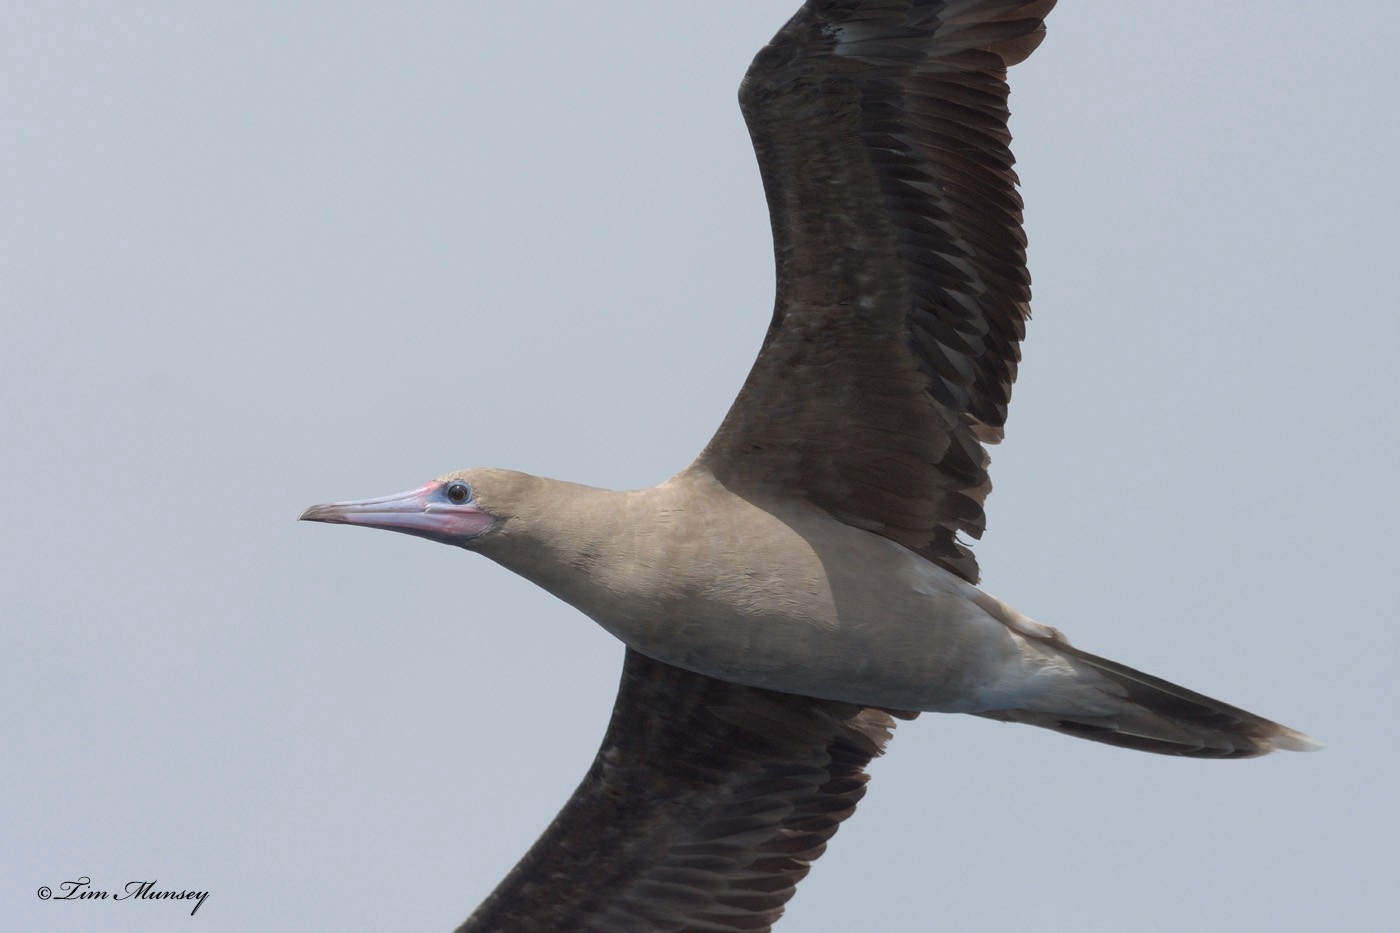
[[707, 803], [880, 129]]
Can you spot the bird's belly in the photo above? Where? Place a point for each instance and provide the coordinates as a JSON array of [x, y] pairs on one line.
[[892, 630]]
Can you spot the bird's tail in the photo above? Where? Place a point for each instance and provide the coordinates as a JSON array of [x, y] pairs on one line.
[[1157, 716]]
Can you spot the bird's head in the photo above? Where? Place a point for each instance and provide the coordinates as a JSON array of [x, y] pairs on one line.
[[451, 509]]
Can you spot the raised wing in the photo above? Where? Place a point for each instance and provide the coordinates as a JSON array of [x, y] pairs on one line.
[[880, 129], [706, 804]]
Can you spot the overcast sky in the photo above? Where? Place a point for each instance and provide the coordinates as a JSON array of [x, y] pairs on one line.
[[259, 255]]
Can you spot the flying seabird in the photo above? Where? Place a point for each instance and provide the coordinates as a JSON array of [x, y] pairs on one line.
[[805, 582]]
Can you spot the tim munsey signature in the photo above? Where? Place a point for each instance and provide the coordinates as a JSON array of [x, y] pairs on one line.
[[81, 889]]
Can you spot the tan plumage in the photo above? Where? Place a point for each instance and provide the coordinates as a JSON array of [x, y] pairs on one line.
[[803, 579]]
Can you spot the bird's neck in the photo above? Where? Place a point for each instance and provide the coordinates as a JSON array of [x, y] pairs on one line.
[[587, 546]]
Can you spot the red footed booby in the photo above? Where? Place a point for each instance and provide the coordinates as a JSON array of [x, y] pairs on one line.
[[805, 581]]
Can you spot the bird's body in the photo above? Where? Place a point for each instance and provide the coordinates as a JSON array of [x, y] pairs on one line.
[[768, 593], [808, 577]]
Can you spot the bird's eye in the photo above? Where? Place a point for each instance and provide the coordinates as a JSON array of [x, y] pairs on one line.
[[458, 493]]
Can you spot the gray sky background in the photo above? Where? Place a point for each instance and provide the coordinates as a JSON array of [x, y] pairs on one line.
[[255, 256]]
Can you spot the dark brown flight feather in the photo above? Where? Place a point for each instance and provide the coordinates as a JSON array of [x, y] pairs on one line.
[[902, 295], [706, 804]]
